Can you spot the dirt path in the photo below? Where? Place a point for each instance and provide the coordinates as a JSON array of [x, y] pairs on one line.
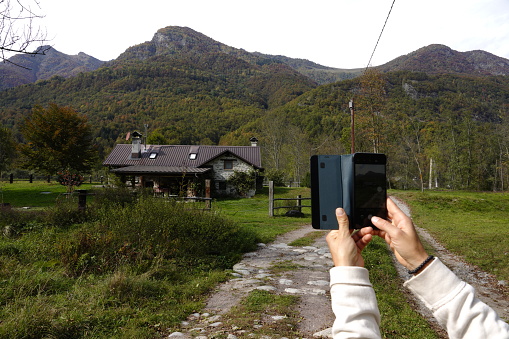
[[309, 279]]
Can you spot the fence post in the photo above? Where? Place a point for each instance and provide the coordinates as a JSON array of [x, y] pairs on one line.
[[207, 194], [299, 203], [82, 199], [271, 198]]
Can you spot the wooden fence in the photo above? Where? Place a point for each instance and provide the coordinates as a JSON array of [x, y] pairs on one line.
[[272, 199]]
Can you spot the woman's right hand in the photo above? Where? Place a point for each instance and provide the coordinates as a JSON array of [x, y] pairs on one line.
[[400, 234]]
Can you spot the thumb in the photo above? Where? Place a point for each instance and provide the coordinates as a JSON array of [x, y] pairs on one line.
[[384, 225], [344, 225]]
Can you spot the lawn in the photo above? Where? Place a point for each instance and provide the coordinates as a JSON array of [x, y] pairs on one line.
[[38, 194]]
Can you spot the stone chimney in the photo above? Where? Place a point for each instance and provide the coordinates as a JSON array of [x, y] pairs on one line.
[[136, 149], [254, 141]]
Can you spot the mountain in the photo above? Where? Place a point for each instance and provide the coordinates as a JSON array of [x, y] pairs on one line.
[[191, 89], [173, 41], [23, 69], [440, 59], [180, 83]]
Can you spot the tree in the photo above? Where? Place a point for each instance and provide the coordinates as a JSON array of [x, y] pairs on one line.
[[18, 31], [7, 149], [370, 106], [57, 139]]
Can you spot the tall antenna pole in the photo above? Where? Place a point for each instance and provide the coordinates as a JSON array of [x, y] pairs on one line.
[[352, 126]]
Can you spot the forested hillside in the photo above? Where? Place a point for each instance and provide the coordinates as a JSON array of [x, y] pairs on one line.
[[447, 129], [192, 99], [460, 123]]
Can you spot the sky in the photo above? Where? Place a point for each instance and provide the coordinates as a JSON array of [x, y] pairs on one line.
[[339, 33]]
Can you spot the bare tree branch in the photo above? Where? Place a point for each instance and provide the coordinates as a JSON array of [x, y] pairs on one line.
[[19, 30]]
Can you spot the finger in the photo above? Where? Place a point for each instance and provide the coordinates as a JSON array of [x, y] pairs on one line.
[[393, 209], [344, 226], [364, 241], [384, 226], [362, 232]]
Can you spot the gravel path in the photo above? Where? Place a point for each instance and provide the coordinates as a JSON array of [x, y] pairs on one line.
[[310, 281]]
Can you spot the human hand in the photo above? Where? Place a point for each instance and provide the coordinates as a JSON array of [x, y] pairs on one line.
[[401, 236], [346, 247]]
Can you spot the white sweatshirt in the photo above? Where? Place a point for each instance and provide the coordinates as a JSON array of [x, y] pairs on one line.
[[451, 300]]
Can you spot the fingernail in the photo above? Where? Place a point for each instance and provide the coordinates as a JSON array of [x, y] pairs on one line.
[[375, 219], [340, 211]]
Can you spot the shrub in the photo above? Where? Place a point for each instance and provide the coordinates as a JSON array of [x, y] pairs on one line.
[[152, 228], [243, 182], [278, 176]]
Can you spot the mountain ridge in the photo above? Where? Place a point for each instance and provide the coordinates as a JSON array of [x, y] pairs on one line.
[[173, 41], [441, 59], [22, 69]]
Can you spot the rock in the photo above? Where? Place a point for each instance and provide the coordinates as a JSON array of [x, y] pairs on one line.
[[214, 318], [266, 288], [318, 283], [285, 282], [216, 324], [294, 214], [278, 317], [177, 335], [327, 333]]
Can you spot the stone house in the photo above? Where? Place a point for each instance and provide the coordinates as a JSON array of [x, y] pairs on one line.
[[177, 170]]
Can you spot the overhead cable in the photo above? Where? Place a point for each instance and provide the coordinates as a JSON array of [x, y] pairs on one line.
[[374, 49]]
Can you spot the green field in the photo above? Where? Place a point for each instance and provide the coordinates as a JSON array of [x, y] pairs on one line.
[[100, 275]]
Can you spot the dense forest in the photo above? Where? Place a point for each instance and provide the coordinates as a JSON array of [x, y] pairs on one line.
[[459, 124], [438, 130]]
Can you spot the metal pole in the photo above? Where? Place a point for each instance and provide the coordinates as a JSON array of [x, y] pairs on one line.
[[352, 127]]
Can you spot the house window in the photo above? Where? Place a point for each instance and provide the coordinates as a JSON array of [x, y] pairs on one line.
[[228, 164]]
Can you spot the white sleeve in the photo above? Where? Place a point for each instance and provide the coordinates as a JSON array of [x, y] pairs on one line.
[[353, 303], [454, 304]]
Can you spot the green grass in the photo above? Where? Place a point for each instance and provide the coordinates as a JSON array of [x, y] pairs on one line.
[[471, 224], [137, 294], [253, 213], [307, 240], [258, 307], [36, 194]]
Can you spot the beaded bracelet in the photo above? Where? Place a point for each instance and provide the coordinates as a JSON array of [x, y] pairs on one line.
[[428, 259]]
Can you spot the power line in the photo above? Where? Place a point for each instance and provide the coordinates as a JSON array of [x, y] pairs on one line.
[[374, 49]]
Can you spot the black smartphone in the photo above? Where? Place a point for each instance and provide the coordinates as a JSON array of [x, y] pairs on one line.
[[369, 188]]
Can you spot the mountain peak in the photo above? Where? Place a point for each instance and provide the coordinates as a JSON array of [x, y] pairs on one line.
[[173, 40], [441, 59]]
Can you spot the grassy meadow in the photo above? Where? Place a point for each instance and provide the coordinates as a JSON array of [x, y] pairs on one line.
[[135, 267]]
